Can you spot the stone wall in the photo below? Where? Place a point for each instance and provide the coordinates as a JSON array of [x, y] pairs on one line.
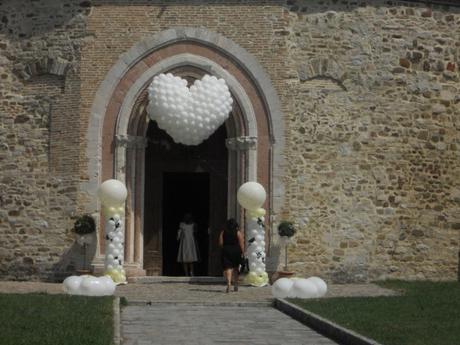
[[39, 127], [373, 140], [370, 99]]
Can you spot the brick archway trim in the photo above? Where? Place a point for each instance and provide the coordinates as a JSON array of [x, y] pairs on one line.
[[139, 51]]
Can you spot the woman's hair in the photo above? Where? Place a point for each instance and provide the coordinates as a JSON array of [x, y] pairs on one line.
[[232, 226]]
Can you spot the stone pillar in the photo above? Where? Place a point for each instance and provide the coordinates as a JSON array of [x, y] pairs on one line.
[[241, 147], [129, 165], [246, 145]]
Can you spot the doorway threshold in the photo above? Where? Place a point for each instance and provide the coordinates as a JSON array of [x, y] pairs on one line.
[[166, 279]]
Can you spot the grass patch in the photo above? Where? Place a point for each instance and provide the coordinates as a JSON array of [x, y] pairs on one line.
[[55, 319], [427, 314]]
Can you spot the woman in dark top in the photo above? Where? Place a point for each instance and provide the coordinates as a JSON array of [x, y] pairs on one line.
[[232, 243]]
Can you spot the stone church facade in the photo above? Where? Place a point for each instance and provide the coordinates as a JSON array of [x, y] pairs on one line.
[[346, 111]]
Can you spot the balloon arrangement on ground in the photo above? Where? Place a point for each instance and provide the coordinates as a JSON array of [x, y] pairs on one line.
[[313, 287], [89, 286], [189, 115], [251, 196], [112, 194]]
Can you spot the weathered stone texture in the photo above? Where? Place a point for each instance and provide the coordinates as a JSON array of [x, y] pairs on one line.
[[369, 92], [373, 140], [39, 95]]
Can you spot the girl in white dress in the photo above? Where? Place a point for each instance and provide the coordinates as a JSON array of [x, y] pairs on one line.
[[187, 253]]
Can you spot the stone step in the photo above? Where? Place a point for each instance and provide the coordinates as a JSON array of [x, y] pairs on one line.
[[165, 303], [166, 279]]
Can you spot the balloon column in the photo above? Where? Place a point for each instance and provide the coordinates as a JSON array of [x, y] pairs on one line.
[[251, 196], [189, 115], [112, 194]]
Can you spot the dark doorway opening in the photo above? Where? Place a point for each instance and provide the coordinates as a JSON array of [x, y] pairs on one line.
[[178, 179], [185, 193]]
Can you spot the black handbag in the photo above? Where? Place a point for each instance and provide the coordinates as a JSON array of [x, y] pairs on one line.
[[244, 265]]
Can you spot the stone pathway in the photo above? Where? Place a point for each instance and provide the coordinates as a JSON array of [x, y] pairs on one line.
[[212, 293], [187, 313], [192, 324]]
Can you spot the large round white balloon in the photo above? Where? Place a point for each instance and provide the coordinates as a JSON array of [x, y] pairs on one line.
[[112, 193], [302, 288], [281, 287], [72, 284], [251, 195], [320, 284]]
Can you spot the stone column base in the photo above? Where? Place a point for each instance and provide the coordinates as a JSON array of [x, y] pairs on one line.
[[133, 269]]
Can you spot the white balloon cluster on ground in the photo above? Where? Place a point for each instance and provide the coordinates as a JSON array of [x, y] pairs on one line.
[[189, 115], [112, 194], [251, 196], [312, 287], [89, 285]]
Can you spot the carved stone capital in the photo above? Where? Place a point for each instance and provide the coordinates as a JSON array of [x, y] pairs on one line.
[[241, 143], [131, 141]]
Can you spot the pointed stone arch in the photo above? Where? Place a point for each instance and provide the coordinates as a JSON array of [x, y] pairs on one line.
[[117, 119]]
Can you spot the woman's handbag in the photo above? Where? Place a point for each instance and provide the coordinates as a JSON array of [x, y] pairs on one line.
[[244, 265]]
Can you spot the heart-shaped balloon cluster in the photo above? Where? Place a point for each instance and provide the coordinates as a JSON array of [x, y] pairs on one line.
[[189, 115]]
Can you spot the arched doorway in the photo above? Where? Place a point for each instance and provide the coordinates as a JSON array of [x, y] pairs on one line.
[[183, 179], [119, 132]]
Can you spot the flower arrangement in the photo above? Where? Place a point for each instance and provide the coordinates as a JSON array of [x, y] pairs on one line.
[[286, 230], [84, 225]]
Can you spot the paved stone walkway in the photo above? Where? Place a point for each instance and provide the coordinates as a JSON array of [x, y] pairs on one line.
[[213, 293], [184, 313], [191, 324]]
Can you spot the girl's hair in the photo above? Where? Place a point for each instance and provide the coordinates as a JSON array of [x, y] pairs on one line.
[[232, 226]]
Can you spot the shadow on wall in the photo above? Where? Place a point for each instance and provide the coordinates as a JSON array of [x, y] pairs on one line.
[[75, 258]]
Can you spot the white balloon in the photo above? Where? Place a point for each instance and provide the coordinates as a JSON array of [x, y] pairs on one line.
[[108, 284], [112, 192], [91, 286], [302, 288], [320, 284], [71, 284], [281, 287], [251, 195]]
